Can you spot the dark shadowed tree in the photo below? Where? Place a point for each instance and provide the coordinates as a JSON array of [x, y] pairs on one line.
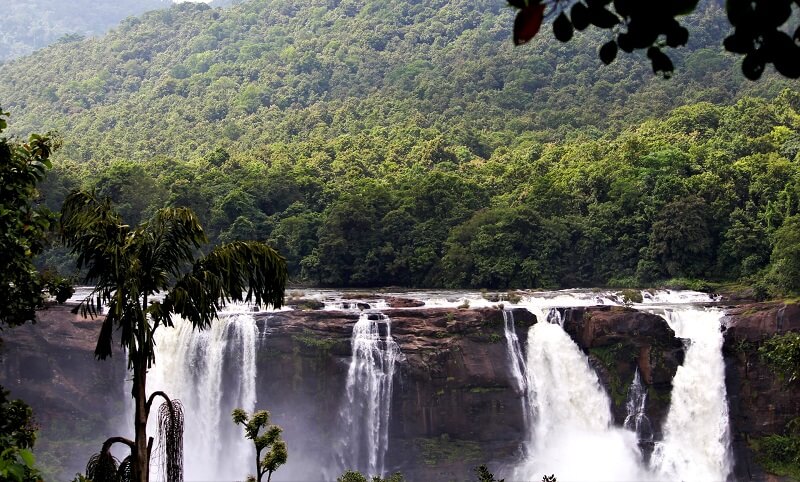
[[680, 240], [23, 224], [128, 266], [765, 31]]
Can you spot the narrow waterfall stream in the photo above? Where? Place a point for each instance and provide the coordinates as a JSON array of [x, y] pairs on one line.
[[516, 359], [516, 362], [211, 372], [636, 419], [367, 406]]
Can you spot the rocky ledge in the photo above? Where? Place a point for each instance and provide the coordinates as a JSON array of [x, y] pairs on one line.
[[455, 404]]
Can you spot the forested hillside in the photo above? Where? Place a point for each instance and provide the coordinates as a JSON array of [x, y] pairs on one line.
[[409, 143], [27, 25]]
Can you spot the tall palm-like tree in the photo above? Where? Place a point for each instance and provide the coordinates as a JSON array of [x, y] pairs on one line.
[[128, 267]]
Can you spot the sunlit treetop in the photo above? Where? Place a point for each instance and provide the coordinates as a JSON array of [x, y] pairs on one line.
[[765, 31]]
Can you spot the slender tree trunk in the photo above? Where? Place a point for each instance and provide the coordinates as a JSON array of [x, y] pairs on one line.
[[141, 456], [259, 473]]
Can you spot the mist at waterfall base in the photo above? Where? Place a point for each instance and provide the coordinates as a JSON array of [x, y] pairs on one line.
[[211, 372], [565, 409], [572, 434]]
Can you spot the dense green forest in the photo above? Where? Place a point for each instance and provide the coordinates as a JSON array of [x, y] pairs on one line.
[[408, 143]]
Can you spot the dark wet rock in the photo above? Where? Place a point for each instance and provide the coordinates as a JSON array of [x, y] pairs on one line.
[[759, 401], [619, 341], [397, 302]]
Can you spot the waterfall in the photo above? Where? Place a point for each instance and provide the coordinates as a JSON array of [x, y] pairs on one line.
[[572, 410], [573, 418], [516, 362], [636, 419], [368, 395], [515, 358], [211, 372], [696, 434]]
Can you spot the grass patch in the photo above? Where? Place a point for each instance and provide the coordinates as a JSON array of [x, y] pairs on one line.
[[312, 340], [486, 389], [625, 282], [443, 449], [631, 296], [690, 284], [778, 454]]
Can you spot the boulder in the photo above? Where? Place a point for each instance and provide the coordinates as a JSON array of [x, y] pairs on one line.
[[621, 340]]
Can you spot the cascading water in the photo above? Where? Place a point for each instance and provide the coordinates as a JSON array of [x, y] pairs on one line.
[[368, 395], [636, 419], [696, 434], [572, 415], [516, 362], [211, 372], [572, 410], [515, 358], [565, 408]]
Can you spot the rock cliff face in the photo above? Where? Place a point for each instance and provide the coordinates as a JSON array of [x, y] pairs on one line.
[[760, 402], [455, 403], [454, 406], [620, 341], [76, 400]]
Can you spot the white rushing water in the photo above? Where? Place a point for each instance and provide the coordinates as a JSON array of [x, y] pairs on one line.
[[636, 419], [572, 413], [696, 434], [516, 363], [366, 411], [572, 416], [516, 360], [211, 372]]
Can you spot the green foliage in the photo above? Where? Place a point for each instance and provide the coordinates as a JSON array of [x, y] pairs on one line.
[[782, 353], [408, 144], [779, 454], [351, 476], [57, 286], [785, 260], [631, 296], [17, 436], [484, 475], [23, 225], [127, 266], [354, 476], [269, 440]]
